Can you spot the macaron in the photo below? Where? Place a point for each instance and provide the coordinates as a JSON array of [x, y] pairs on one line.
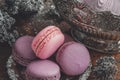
[[22, 52], [47, 41], [73, 58], [42, 70]]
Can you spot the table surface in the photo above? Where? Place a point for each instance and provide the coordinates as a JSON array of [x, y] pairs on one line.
[[5, 51]]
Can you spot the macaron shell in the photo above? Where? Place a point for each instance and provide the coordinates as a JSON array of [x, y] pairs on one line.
[[23, 48], [43, 69], [42, 35], [22, 52], [19, 59], [49, 44], [61, 50], [73, 58]]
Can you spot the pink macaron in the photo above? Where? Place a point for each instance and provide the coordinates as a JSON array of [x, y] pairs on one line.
[[47, 41], [42, 70], [73, 58], [22, 52]]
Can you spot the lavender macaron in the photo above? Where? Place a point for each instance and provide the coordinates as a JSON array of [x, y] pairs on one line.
[[73, 58], [22, 52], [42, 70]]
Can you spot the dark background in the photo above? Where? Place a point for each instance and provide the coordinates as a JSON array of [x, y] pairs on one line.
[[5, 51]]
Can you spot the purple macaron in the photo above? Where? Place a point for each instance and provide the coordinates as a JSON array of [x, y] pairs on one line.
[[73, 58], [42, 70], [22, 52]]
